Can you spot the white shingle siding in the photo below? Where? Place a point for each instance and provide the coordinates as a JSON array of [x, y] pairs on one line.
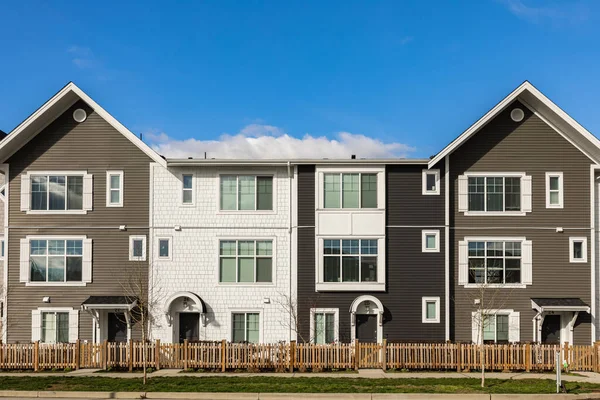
[[194, 264]]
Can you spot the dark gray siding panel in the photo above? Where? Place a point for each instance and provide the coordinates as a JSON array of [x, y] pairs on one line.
[[306, 195]]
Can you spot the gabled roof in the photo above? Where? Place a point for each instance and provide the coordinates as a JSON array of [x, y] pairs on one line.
[[52, 109], [544, 108]]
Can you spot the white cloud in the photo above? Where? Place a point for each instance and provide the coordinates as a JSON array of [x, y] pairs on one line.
[[269, 142], [82, 56], [556, 12]]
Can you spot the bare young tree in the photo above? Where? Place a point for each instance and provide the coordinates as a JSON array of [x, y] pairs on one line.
[[147, 293], [296, 321]]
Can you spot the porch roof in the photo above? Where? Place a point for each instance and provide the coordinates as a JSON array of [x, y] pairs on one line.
[[103, 302], [542, 304]]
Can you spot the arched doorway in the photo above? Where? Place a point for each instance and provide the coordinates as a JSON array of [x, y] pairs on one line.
[[366, 316], [185, 314]]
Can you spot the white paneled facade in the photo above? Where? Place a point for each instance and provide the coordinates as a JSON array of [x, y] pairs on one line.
[[185, 261]]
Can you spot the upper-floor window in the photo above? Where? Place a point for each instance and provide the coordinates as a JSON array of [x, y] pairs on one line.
[[56, 260], [187, 194], [56, 192], [137, 248], [508, 194], [578, 249], [350, 190], [431, 181], [554, 190], [494, 262], [246, 261], [164, 248], [350, 260], [246, 192], [114, 188]]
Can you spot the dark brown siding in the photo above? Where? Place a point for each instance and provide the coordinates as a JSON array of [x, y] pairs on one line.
[[96, 147], [533, 147], [410, 274]]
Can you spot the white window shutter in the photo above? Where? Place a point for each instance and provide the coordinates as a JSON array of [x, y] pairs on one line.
[[463, 263], [86, 272], [527, 262], [463, 193], [36, 325], [88, 191], [514, 327], [475, 327], [73, 325], [526, 194], [25, 192], [24, 261]]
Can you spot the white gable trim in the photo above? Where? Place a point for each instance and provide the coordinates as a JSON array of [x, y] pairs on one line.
[[71, 87], [525, 86]]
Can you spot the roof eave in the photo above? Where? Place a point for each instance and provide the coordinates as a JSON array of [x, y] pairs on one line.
[[173, 162]]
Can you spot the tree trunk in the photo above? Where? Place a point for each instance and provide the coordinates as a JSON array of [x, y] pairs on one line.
[[481, 348], [144, 348]]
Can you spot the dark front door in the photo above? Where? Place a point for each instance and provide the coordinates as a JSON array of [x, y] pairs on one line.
[[117, 327], [366, 328], [551, 329], [189, 327]]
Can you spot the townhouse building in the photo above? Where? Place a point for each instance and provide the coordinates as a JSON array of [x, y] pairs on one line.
[[76, 219]]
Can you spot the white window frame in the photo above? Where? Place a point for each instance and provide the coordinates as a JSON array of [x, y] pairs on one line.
[[73, 321], [247, 311], [83, 282], [82, 173], [255, 239], [429, 232], [322, 286], [436, 173], [341, 175], [2, 248], [583, 241], [183, 189], [169, 239], [560, 190], [520, 175], [255, 174], [320, 187], [109, 189], [511, 328], [336, 318], [131, 240], [430, 299]]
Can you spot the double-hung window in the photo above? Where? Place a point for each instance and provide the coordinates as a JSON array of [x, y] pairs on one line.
[[245, 327], [324, 325], [246, 193], [494, 262], [56, 192], [350, 190], [431, 181], [246, 261], [114, 188], [350, 260], [55, 327], [554, 190], [494, 193], [187, 194], [56, 260]]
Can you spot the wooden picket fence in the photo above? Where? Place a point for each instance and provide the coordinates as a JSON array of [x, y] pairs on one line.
[[223, 356]]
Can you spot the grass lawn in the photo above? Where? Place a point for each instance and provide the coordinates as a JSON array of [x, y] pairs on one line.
[[290, 385]]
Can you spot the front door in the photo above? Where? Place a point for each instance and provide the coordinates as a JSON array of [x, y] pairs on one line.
[[117, 327], [366, 328], [189, 327], [551, 329]]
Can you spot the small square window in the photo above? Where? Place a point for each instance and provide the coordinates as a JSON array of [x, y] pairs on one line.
[[164, 248], [431, 310], [137, 248], [431, 241], [577, 249], [431, 181]]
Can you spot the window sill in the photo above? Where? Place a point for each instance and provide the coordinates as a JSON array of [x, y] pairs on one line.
[[343, 210], [495, 286], [56, 212], [430, 250], [350, 287], [554, 206], [137, 259], [431, 193], [56, 284], [431, 321], [246, 212], [495, 213], [245, 285], [114, 205]]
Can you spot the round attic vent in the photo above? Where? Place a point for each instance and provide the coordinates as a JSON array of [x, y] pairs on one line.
[[79, 115], [517, 115]]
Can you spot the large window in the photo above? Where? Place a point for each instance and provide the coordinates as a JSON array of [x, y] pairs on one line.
[[246, 192], [246, 261], [495, 328], [56, 260], [323, 325], [56, 192], [245, 327], [351, 190], [494, 193], [350, 260], [55, 327], [494, 262]]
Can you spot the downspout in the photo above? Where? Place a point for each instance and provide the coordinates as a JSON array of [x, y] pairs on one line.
[[291, 202]]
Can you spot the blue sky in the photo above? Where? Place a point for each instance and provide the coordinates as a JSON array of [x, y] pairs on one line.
[[287, 78]]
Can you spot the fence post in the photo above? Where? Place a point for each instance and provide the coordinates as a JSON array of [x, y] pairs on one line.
[[223, 355], [356, 354], [105, 354], [292, 355], [157, 354], [77, 354], [185, 354], [566, 354], [595, 368], [36, 354], [528, 357], [384, 355], [130, 356], [458, 357]]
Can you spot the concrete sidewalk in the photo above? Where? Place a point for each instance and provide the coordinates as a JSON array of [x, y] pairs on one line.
[[590, 377]]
